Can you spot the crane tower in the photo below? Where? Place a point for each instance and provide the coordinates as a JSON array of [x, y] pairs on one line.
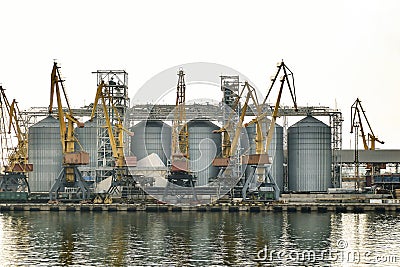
[[179, 172]]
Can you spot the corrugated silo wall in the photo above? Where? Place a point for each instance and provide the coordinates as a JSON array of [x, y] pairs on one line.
[[275, 152], [45, 153], [204, 146], [87, 137], [152, 136], [309, 156]]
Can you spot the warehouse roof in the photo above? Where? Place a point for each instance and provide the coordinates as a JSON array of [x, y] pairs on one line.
[[371, 156]]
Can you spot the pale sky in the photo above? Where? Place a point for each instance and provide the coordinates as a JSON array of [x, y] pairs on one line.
[[337, 50]]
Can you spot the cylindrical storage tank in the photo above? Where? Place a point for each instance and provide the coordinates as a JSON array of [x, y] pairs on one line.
[[204, 146], [309, 156], [275, 152], [87, 137], [152, 136], [45, 153]]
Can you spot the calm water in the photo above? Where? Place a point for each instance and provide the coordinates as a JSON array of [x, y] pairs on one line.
[[199, 239]]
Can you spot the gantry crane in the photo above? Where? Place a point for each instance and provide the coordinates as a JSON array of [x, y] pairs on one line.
[[284, 78], [179, 172], [70, 178], [227, 130], [357, 113], [15, 172], [229, 163], [261, 159], [230, 143], [121, 176], [356, 121]]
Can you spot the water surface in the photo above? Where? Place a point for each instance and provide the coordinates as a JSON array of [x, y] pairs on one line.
[[199, 239]]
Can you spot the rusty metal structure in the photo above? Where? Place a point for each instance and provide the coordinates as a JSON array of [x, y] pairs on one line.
[[180, 173], [180, 135]]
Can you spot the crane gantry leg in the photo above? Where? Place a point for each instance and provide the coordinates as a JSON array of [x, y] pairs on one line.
[[15, 182], [78, 187]]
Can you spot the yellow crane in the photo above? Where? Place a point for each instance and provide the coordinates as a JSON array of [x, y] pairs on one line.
[[121, 174], [357, 113], [229, 162], [229, 144], [260, 159], [226, 151], [284, 78], [180, 172], [180, 135], [70, 178], [15, 177]]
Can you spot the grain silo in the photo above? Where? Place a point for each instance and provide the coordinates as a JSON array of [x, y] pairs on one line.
[[152, 136], [275, 151], [204, 146], [309, 156], [87, 137], [45, 153]]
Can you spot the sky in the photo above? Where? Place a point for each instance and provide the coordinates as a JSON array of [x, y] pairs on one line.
[[337, 50]]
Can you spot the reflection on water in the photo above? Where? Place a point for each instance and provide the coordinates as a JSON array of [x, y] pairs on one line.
[[198, 239]]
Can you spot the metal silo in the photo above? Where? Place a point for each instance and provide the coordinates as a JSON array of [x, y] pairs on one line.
[[152, 136], [87, 137], [204, 146], [309, 155], [275, 151], [45, 152]]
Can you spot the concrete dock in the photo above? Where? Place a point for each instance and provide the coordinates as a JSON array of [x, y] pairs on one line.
[[240, 207]]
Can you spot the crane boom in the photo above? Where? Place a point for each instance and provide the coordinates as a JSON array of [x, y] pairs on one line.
[[116, 140], [275, 115], [18, 158], [357, 113], [56, 90], [273, 120], [281, 66], [66, 129], [16, 167], [180, 135], [226, 141], [13, 117], [239, 125], [231, 149]]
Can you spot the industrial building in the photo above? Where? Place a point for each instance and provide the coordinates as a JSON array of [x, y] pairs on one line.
[[135, 149]]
